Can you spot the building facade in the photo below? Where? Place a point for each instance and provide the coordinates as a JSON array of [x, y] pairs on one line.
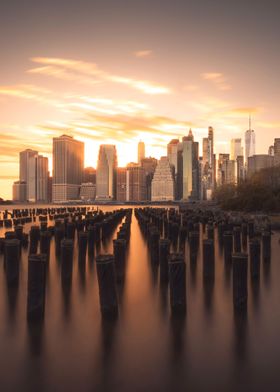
[[68, 166], [106, 172], [258, 162], [163, 184], [250, 144], [235, 148]]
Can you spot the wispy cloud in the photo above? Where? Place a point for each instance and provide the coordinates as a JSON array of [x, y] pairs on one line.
[[30, 92], [143, 53], [218, 79], [84, 72]]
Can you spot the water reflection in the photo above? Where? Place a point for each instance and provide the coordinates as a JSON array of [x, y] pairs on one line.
[[152, 342]]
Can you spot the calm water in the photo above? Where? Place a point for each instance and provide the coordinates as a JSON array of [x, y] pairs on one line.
[[144, 350]]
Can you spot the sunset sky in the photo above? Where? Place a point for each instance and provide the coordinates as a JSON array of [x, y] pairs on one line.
[[113, 71]]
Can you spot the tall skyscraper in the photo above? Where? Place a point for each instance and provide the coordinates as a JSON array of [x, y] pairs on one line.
[[24, 157], [68, 165], [121, 184], [136, 189], [149, 165], [190, 168], [42, 179], [106, 172], [163, 184], [34, 174], [172, 153], [141, 151], [250, 143], [27, 173], [235, 148]]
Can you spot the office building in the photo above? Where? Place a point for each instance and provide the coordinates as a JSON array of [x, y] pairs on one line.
[[89, 175], [106, 172], [68, 166], [163, 184], [258, 162], [88, 191], [277, 151], [240, 169], [250, 143], [34, 173], [190, 168], [271, 151], [121, 184], [149, 166], [235, 148], [135, 183], [19, 191]]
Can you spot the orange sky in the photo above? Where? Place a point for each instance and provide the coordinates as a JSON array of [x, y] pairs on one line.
[[118, 83]]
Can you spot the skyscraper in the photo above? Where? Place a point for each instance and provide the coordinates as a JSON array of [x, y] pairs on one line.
[[149, 165], [106, 172], [190, 167], [136, 189], [121, 184], [68, 165], [235, 148], [250, 143], [172, 153], [163, 181], [42, 178], [27, 173], [34, 174], [141, 151]]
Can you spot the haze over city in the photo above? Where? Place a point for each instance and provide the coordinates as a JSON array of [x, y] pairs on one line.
[[117, 72]]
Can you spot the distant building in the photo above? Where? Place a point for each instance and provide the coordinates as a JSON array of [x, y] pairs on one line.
[[174, 155], [106, 172], [135, 183], [235, 148], [149, 166], [88, 191], [89, 175], [277, 151], [163, 184], [190, 168], [240, 169], [42, 179], [121, 184], [223, 158], [258, 162], [141, 151], [68, 166], [19, 191], [34, 172], [271, 151], [250, 143], [208, 175]]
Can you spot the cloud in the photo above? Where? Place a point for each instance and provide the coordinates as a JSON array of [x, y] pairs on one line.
[[143, 53], [218, 79], [30, 92], [85, 72]]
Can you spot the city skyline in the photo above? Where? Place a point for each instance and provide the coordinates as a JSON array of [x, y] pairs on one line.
[[103, 79]]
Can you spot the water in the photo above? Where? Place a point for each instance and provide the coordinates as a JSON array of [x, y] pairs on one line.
[[145, 349]]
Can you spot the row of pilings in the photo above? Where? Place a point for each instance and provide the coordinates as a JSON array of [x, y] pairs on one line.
[[73, 227], [167, 231]]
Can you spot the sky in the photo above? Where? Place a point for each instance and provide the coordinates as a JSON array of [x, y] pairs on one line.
[[114, 71]]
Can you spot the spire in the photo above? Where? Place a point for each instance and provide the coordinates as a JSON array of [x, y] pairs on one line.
[[250, 121]]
